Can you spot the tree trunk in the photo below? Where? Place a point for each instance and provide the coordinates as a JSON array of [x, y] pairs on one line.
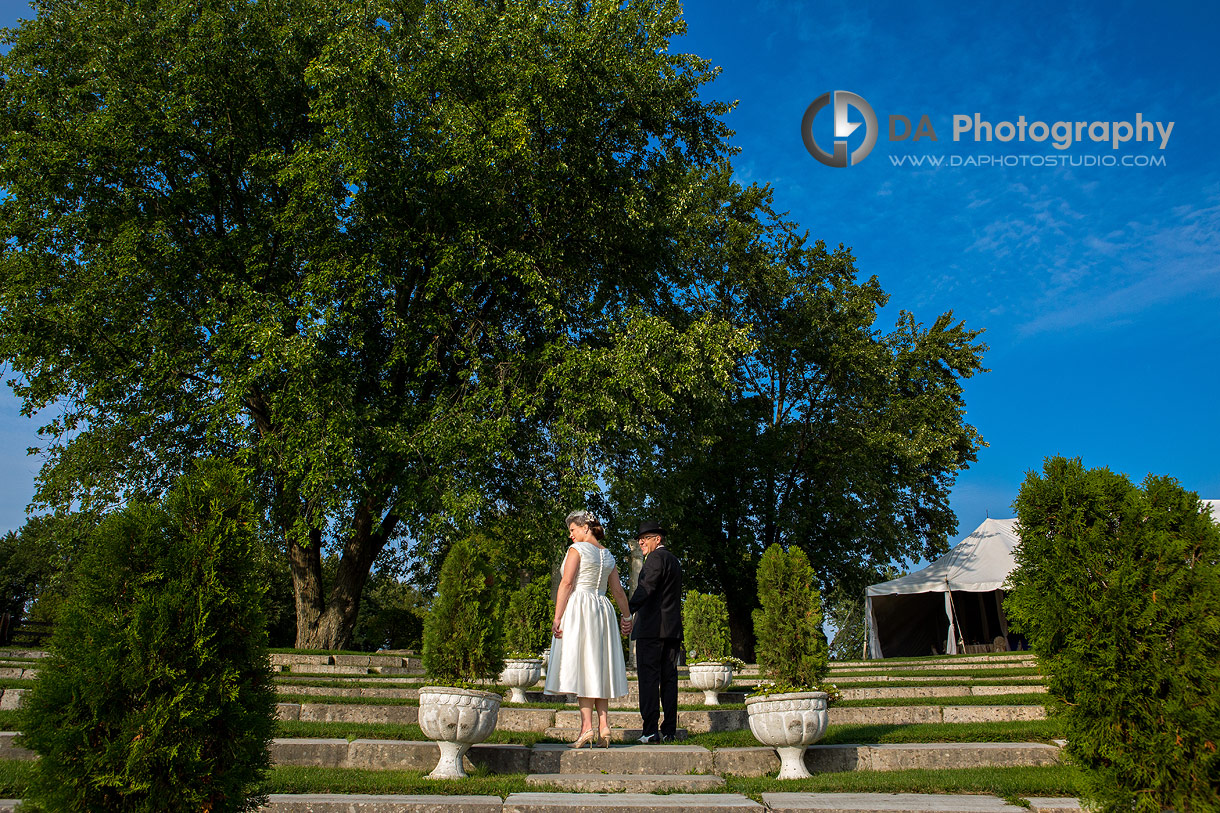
[[328, 623]]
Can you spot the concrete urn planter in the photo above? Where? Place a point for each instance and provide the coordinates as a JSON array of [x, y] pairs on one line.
[[788, 723], [456, 719], [712, 678], [518, 674]]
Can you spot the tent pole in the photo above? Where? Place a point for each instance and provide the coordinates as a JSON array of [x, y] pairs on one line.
[[955, 635]]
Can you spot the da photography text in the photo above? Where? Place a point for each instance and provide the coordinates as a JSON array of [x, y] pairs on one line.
[[839, 131]]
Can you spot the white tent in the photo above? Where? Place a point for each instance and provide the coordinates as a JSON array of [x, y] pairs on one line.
[[955, 601], [952, 602]]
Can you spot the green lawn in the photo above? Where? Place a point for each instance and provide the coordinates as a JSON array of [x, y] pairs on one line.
[[1010, 783]]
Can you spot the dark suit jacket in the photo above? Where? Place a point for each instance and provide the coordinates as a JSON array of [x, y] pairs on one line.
[[657, 601]]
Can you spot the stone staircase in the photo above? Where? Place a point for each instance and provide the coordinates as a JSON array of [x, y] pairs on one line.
[[625, 776]]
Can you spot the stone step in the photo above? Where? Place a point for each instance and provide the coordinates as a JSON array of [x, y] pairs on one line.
[[1006, 658], [627, 802], [915, 678], [645, 760], [641, 760], [907, 715], [684, 698], [339, 669], [955, 665], [574, 802], [366, 661], [629, 736], [885, 803], [378, 803], [696, 722], [762, 761], [566, 724], [18, 673], [393, 755], [625, 783], [404, 693], [899, 692]]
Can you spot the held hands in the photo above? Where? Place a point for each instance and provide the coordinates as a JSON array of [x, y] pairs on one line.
[[625, 624], [557, 629]]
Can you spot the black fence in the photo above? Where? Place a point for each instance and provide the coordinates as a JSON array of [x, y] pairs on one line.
[[17, 631]]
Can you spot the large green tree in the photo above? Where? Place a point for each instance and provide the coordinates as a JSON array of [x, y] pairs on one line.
[[835, 436], [396, 258]]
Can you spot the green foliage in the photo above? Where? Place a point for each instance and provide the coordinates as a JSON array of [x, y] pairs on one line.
[[836, 434], [791, 647], [355, 244], [36, 564], [1118, 591], [391, 616], [157, 695], [705, 625], [845, 611], [527, 619], [463, 639]]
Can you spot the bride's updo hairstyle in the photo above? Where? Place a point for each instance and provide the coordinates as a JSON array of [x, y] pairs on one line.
[[585, 519]]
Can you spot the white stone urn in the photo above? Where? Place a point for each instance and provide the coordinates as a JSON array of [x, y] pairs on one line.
[[456, 719], [518, 674], [546, 660], [788, 723], [712, 677]]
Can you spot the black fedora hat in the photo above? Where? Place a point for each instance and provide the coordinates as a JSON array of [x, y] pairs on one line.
[[649, 526]]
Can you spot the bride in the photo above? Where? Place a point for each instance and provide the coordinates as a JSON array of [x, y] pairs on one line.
[[586, 652]]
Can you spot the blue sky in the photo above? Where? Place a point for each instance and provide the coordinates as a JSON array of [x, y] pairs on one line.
[[1099, 286]]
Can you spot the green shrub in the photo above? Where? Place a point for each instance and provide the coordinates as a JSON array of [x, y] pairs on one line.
[[157, 694], [391, 615], [705, 626], [790, 647], [463, 640], [1118, 591], [527, 620]]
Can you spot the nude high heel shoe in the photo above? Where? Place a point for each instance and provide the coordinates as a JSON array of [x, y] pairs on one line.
[[584, 739], [604, 742]]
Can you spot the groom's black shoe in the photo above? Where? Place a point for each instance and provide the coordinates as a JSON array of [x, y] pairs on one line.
[[650, 739]]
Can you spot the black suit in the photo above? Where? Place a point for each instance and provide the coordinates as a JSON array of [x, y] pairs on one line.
[[657, 605]]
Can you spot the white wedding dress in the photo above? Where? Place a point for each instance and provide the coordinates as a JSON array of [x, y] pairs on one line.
[[588, 660]]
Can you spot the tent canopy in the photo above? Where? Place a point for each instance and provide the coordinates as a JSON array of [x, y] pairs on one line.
[[918, 613], [956, 599], [979, 563]]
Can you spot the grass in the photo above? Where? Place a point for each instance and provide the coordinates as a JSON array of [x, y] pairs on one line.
[[14, 777], [1009, 783]]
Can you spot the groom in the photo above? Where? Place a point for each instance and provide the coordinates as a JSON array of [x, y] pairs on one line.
[[656, 626]]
